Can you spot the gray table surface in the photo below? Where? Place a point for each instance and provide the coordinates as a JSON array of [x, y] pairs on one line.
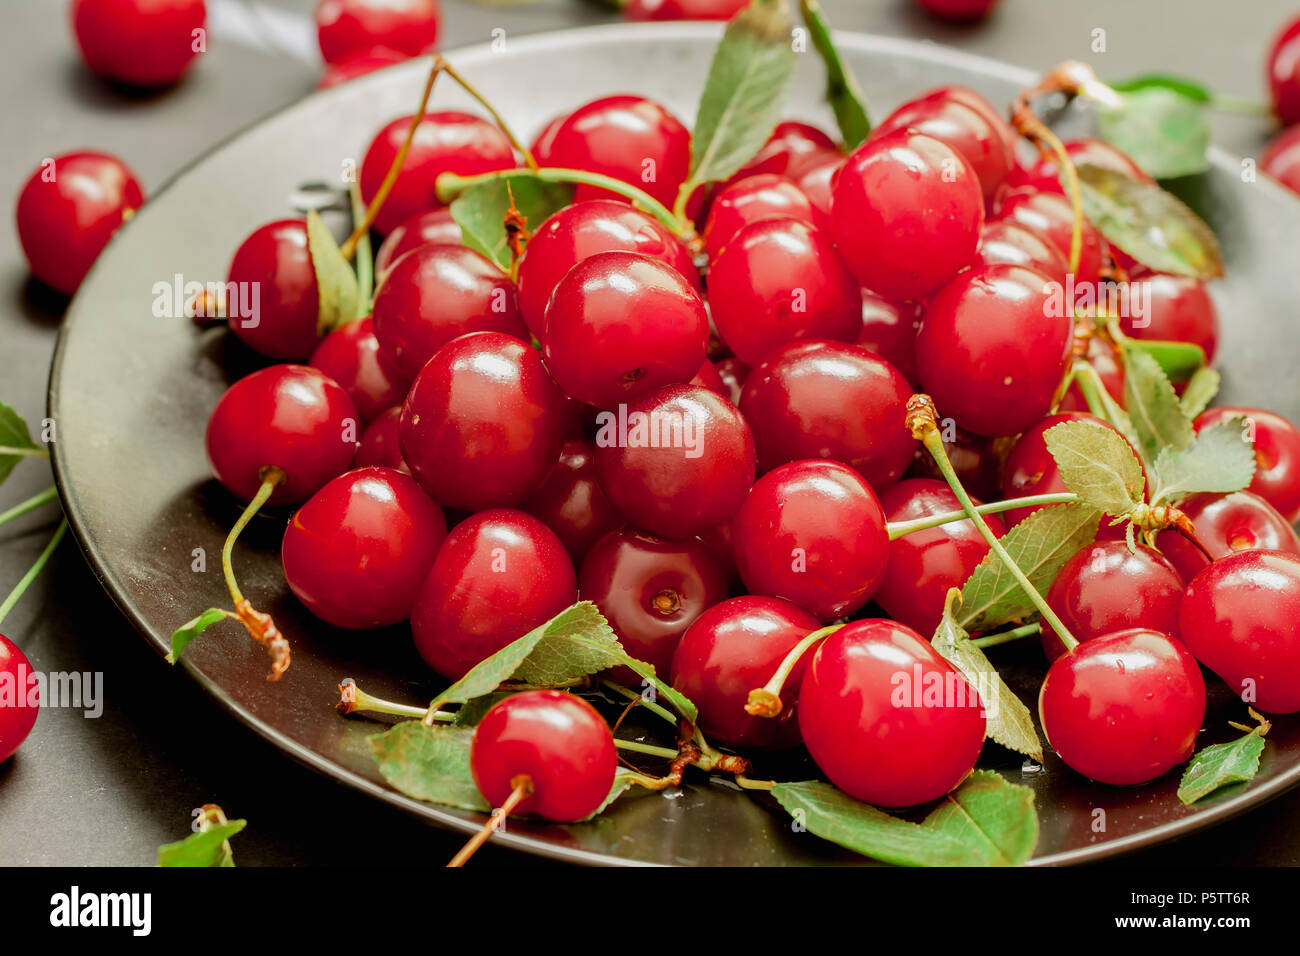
[[108, 791]]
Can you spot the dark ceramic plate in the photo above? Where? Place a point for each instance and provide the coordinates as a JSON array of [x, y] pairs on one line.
[[131, 393]]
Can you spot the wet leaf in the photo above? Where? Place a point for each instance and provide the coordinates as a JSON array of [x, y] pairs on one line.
[[429, 763], [1215, 767]]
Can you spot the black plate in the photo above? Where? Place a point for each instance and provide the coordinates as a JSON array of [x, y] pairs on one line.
[[131, 394]]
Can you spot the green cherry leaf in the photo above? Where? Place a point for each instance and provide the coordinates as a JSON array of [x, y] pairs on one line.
[[995, 818], [188, 631], [336, 283], [429, 763], [1007, 720], [1200, 391], [16, 441], [470, 713], [1189, 89], [1097, 465], [1154, 411], [842, 89], [1040, 545], [205, 848], [744, 94], [1220, 459], [481, 209], [623, 780], [1164, 131], [1217, 766], [1151, 225], [1178, 360]]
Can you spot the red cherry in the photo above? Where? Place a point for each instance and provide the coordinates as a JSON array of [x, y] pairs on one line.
[[499, 574], [1123, 708], [582, 230], [360, 548], [379, 445], [814, 399], [1226, 524], [541, 144], [1006, 242], [817, 180], [601, 318], [1284, 73], [779, 280], [1030, 469], [708, 377], [960, 11], [679, 461], [753, 199], [630, 138], [483, 423], [1104, 588], [886, 718], [908, 210], [436, 293], [683, 9], [733, 648], [924, 565], [734, 373], [1103, 357], [1178, 309], [558, 742], [350, 28], [1239, 618], [145, 43], [792, 148], [974, 130], [359, 65], [651, 590], [1051, 216], [1044, 174], [22, 702], [350, 355], [67, 212], [571, 502], [991, 350], [1277, 454], [291, 417], [812, 532], [435, 226], [447, 142], [1282, 159], [973, 457], [889, 330], [278, 308]]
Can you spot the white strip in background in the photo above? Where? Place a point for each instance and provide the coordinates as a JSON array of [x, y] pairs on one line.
[[264, 27]]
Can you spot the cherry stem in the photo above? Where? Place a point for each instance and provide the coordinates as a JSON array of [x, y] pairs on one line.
[[259, 625], [635, 746], [748, 783], [25, 452], [468, 87], [628, 693], [1006, 637], [899, 529], [922, 421], [31, 504], [765, 701], [1088, 388], [32, 572], [523, 788], [271, 478], [450, 185], [1239, 106]]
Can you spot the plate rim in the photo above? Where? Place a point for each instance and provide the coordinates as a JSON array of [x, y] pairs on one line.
[[1213, 815]]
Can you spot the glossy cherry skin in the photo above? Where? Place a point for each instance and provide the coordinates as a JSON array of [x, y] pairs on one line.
[[292, 417], [350, 355], [359, 65], [924, 565], [144, 43], [907, 212], [974, 130], [651, 590], [1282, 159], [351, 28], [733, 648], [709, 378], [818, 178], [585, 229], [812, 532], [379, 444], [695, 474], [483, 423], [68, 211], [1030, 469], [571, 502], [622, 324], [1226, 524], [1104, 588], [791, 149], [1178, 309], [278, 314], [558, 742], [753, 199], [1239, 617], [1123, 708], [629, 138], [959, 11], [683, 9], [1006, 242], [1284, 73], [816, 399], [1277, 454], [889, 330], [18, 714], [779, 280], [991, 351], [436, 293], [499, 574], [359, 550], [434, 226], [444, 142], [887, 719], [1050, 215]]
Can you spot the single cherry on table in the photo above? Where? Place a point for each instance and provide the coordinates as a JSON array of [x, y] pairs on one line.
[[347, 29], [18, 713], [141, 43]]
